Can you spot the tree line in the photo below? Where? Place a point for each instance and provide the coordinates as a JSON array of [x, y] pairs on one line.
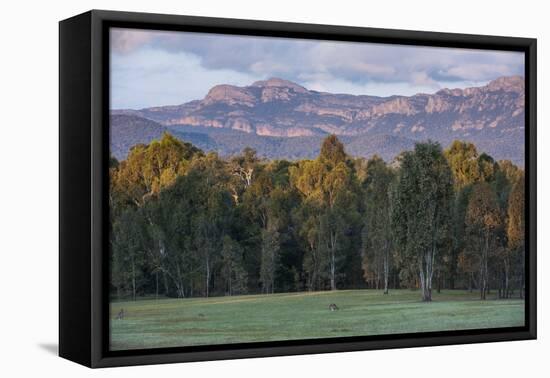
[[185, 223]]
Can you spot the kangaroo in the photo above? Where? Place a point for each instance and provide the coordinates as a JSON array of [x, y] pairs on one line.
[[333, 307], [120, 315]]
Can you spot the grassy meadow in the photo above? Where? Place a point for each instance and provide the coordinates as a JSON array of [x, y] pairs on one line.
[[153, 323]]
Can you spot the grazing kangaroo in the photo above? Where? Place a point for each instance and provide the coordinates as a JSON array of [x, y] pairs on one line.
[[333, 307], [120, 315]]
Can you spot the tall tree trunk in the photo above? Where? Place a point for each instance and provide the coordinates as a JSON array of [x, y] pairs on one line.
[[332, 273], [426, 274], [426, 294], [506, 285], [386, 268], [439, 280], [273, 268], [165, 282], [482, 270], [521, 284], [486, 267], [481, 282], [230, 283], [427, 267], [453, 271], [179, 282], [207, 283], [157, 284], [332, 261], [133, 278]]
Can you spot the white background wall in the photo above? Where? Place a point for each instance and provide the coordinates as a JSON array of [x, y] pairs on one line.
[[29, 186]]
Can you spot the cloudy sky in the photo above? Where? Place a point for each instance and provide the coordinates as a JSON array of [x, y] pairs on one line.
[[150, 68]]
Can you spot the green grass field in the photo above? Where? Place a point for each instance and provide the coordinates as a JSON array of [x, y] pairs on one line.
[[222, 320]]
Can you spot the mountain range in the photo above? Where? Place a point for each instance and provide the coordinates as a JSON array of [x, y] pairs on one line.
[[282, 119]]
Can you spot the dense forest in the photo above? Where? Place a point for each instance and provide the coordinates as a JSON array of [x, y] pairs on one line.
[[185, 223]]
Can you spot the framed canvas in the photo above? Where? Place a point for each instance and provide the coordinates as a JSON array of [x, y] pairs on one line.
[[236, 188]]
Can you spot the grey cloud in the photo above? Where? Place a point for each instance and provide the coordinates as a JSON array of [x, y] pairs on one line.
[[356, 62]]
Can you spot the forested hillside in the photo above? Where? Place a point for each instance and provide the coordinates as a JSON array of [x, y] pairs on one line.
[[185, 223], [128, 130]]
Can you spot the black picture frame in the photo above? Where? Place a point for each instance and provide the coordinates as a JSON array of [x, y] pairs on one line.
[[83, 182]]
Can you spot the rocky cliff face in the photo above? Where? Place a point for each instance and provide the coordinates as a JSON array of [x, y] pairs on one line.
[[492, 116]]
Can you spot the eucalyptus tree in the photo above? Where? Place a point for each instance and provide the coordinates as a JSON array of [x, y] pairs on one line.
[[128, 254], [170, 226], [329, 190], [488, 167], [505, 178], [232, 267], [243, 169], [421, 213], [484, 221], [275, 202], [306, 177], [377, 234], [308, 219], [340, 215], [214, 212], [464, 162], [516, 228], [270, 257], [150, 168]]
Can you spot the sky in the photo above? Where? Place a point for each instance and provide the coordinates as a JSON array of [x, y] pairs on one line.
[[153, 68]]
